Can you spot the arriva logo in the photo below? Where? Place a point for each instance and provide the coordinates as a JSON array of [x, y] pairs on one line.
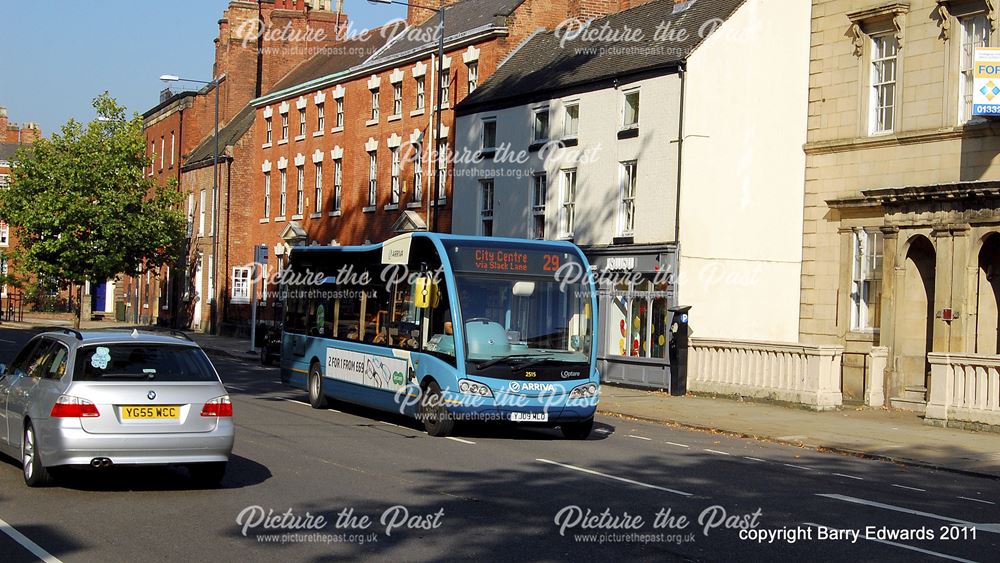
[[516, 387]]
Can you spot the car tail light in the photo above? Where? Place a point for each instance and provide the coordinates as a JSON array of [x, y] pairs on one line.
[[219, 406], [73, 407]]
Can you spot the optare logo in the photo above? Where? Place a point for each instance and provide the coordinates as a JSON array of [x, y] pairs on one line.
[[569, 374]]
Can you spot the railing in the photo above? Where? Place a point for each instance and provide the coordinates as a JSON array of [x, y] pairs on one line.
[[965, 388], [795, 373]]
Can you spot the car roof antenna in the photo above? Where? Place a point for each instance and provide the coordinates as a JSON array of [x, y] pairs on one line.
[[135, 333]]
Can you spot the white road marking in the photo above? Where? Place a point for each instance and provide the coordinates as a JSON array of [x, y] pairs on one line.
[[849, 476], [978, 500], [393, 424], [716, 452], [904, 546], [994, 528], [454, 439], [755, 459], [616, 478], [308, 405], [31, 546], [797, 466], [678, 445], [910, 488], [639, 437]]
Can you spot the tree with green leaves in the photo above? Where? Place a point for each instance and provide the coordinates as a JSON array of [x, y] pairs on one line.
[[83, 208]]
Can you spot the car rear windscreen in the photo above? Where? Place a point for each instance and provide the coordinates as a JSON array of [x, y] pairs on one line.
[[142, 362]]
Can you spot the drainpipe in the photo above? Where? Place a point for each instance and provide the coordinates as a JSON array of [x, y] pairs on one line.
[[681, 72]]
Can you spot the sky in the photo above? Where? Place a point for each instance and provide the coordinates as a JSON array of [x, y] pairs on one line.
[[61, 54]]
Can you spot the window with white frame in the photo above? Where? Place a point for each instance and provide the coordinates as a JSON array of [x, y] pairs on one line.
[[241, 285], [152, 157], [421, 85], [320, 117], [268, 131], [372, 178], [375, 104], [173, 148], [267, 194], [284, 127], [394, 184], [318, 195], [190, 214], [626, 205], [418, 172], [489, 134], [540, 125], [397, 98], [538, 191], [338, 182], [4, 270], [571, 120], [866, 287], [442, 169], [211, 279], [486, 207], [975, 33], [162, 152], [283, 194], [473, 76], [885, 48], [630, 109], [567, 203], [201, 214], [4, 234], [445, 88], [300, 189], [302, 122], [340, 113]]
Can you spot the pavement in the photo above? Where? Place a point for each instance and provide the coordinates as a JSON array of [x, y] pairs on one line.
[[875, 433]]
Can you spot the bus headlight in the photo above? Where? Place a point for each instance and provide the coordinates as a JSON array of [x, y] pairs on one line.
[[584, 391], [470, 387]]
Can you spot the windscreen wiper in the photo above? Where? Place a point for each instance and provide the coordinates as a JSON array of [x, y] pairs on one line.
[[501, 359]]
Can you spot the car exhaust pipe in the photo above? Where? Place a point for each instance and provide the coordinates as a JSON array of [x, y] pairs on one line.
[[100, 463]]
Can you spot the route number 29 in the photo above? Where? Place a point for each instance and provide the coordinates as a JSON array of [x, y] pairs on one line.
[[551, 263]]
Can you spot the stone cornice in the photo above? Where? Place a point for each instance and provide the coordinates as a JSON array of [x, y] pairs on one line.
[[972, 131], [894, 10]]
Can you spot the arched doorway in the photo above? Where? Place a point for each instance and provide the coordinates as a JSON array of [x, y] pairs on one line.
[[988, 297], [916, 314]]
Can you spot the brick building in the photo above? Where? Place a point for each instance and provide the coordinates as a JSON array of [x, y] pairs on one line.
[[348, 157], [259, 42], [12, 136]]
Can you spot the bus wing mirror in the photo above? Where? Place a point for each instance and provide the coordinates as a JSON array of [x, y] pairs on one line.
[[524, 288]]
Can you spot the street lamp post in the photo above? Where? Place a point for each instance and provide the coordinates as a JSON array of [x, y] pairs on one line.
[[432, 206], [215, 191]]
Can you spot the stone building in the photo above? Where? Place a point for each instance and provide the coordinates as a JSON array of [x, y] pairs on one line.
[[902, 224]]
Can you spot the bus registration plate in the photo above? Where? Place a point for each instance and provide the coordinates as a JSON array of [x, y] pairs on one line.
[[529, 417]]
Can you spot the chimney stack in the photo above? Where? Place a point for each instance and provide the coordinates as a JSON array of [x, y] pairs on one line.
[[3, 120]]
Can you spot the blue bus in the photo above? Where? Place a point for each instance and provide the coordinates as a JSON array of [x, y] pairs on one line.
[[446, 328]]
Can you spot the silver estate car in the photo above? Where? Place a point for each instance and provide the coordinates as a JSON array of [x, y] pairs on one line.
[[111, 397]]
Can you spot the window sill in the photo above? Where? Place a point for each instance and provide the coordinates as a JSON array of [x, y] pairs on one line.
[[283, 142], [318, 133], [337, 129], [414, 205], [300, 138], [629, 133], [391, 207], [266, 146], [417, 112], [315, 215], [296, 217], [279, 219], [371, 122], [443, 107], [265, 220], [441, 202], [370, 209], [396, 117], [623, 239], [334, 214], [862, 335]]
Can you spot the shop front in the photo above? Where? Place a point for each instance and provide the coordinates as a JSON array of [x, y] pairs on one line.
[[636, 288]]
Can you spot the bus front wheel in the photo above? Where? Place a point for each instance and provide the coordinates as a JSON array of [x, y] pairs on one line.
[[577, 430], [437, 420], [316, 396]]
